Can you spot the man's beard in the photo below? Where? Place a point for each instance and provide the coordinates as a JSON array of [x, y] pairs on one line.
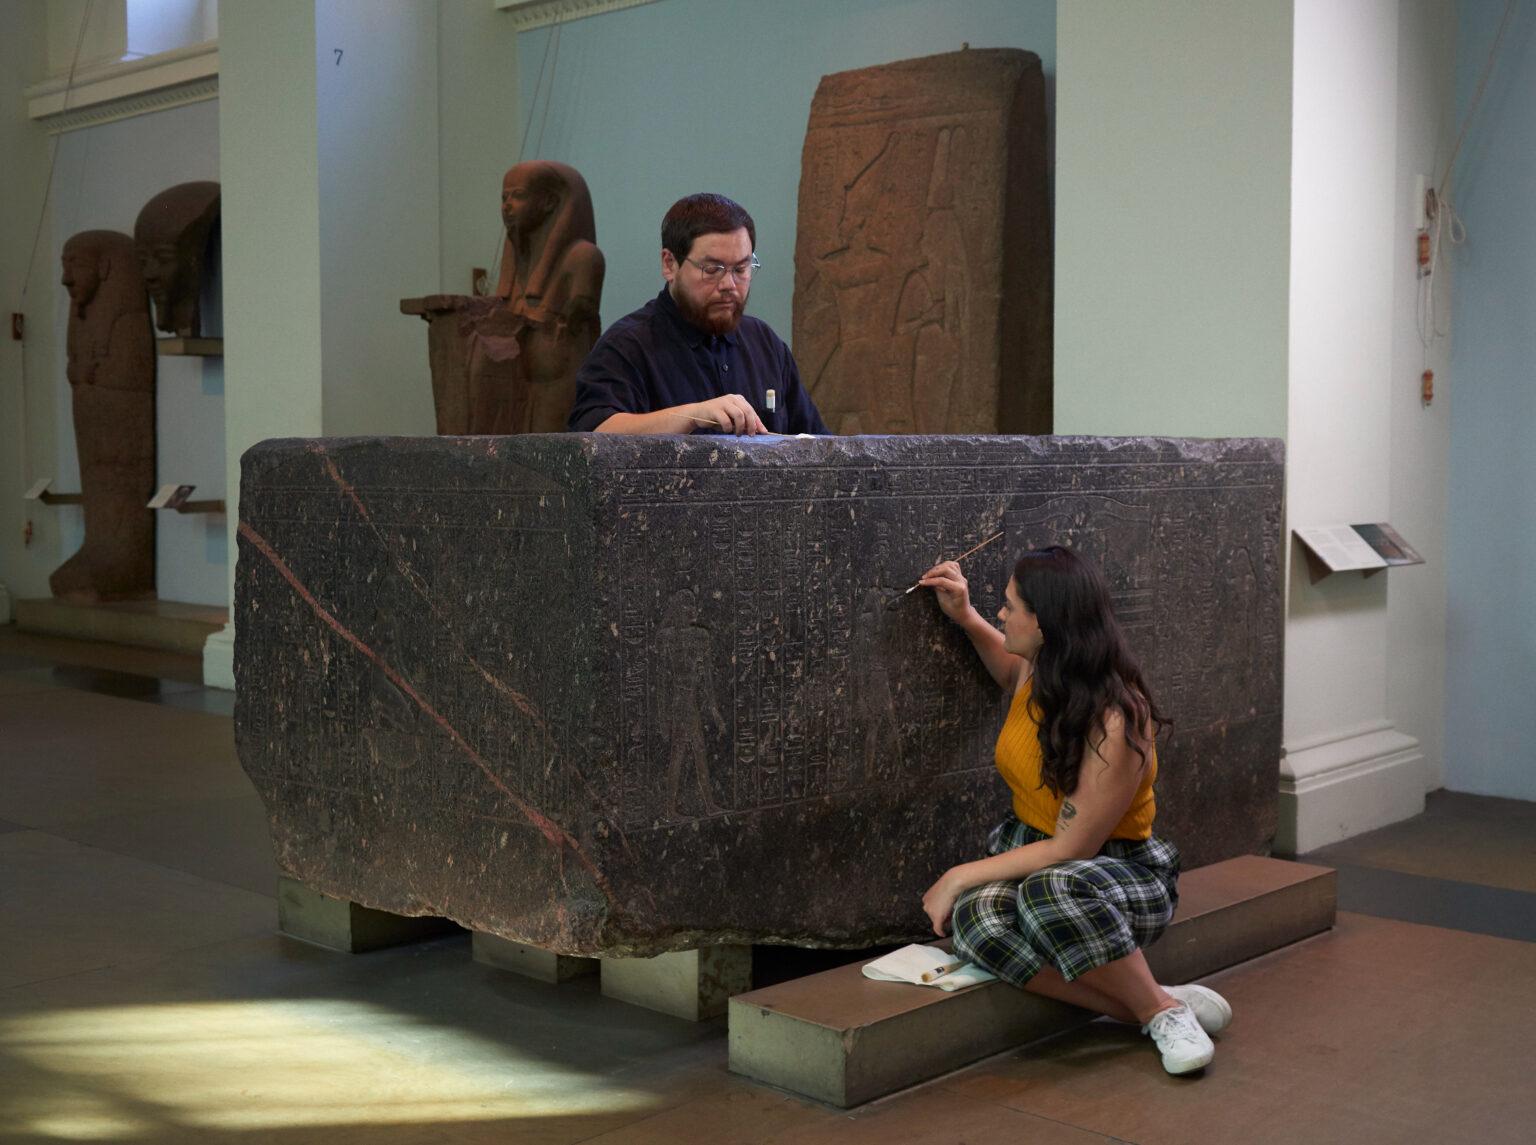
[[712, 319]]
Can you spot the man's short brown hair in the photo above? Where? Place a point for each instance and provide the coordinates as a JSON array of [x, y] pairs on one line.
[[702, 214]]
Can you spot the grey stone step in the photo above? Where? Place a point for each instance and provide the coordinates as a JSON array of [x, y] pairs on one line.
[[164, 624], [844, 1039]]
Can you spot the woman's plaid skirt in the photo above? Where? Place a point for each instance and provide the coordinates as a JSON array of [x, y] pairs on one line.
[[1076, 916]]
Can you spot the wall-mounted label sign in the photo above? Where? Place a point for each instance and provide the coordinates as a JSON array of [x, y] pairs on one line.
[[171, 496], [1389, 544], [1355, 548], [1340, 548]]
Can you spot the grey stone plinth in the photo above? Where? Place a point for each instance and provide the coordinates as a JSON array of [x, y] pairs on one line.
[[624, 695], [692, 984], [338, 924], [844, 1039], [529, 961]]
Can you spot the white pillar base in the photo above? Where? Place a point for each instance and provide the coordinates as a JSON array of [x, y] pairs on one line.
[[691, 984], [1337, 786], [219, 659]]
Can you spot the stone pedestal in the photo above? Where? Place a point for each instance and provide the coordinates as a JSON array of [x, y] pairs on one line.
[[844, 1039], [624, 695], [529, 961], [338, 924], [691, 984]]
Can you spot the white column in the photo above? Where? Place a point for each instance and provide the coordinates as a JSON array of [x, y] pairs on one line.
[[269, 168], [329, 132], [1347, 768]]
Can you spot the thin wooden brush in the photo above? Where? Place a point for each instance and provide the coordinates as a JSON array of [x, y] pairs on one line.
[[919, 581]]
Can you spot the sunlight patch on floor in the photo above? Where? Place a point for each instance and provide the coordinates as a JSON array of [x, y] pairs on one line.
[[107, 1073]]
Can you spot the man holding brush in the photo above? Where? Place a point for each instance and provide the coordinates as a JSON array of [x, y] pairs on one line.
[[690, 360]]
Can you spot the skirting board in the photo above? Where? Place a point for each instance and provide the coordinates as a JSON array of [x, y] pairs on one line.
[[1337, 787], [219, 659]]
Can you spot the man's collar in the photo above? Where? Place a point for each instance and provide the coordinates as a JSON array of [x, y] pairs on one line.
[[691, 333]]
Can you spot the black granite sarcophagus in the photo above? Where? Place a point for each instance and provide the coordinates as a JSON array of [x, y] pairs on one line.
[[622, 695]]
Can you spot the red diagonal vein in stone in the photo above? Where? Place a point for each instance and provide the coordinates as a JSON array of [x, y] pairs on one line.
[[413, 578], [551, 831], [345, 485]]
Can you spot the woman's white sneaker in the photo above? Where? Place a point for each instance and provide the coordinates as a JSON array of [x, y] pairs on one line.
[[1212, 1011], [1184, 1045]]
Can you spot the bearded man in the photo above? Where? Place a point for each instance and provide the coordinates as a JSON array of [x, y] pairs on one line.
[[690, 360]]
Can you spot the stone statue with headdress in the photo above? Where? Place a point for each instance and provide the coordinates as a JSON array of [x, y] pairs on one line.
[[506, 363], [172, 235], [111, 371]]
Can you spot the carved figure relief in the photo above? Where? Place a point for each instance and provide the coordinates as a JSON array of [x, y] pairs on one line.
[[111, 371], [922, 261], [172, 236], [684, 648], [507, 363]]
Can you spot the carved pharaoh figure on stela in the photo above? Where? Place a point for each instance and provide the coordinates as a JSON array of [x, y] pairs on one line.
[[923, 247]]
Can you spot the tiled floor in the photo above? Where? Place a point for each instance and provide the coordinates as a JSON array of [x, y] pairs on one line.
[[145, 997]]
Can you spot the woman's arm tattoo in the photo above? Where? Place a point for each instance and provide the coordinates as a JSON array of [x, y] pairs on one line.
[[1068, 813]]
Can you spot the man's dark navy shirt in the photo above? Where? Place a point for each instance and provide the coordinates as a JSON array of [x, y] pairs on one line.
[[655, 358]]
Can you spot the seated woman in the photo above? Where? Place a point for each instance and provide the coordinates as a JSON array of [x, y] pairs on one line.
[[1075, 884]]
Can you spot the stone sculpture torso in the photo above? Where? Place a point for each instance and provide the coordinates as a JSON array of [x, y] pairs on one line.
[[507, 363], [111, 373]]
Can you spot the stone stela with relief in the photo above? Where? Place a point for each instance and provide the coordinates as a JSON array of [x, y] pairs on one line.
[[922, 298], [619, 695]]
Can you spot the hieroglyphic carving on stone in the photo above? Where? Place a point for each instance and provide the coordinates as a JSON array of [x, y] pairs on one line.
[[111, 371], [873, 707], [923, 252], [619, 659], [686, 698], [1115, 534]]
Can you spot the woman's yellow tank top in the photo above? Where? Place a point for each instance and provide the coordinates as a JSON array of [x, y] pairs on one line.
[[1018, 759]]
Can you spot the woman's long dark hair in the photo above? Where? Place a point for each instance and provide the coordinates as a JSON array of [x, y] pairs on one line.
[[1084, 669]]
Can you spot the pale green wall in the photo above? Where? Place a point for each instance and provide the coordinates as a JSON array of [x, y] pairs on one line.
[[478, 129], [1172, 217], [655, 102], [1492, 538]]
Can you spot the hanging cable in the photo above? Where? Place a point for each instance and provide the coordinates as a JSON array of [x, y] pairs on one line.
[[549, 96], [1477, 99], [1442, 222], [553, 42], [53, 156], [24, 454]]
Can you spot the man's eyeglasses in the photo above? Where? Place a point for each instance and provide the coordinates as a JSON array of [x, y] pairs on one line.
[[715, 271]]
